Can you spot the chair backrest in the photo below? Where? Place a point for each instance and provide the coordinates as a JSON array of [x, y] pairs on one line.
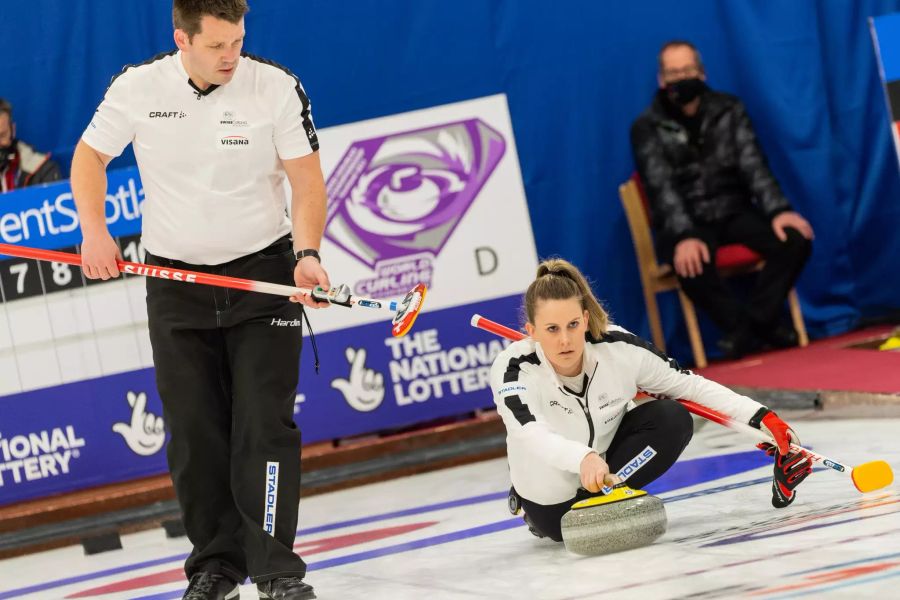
[[639, 223]]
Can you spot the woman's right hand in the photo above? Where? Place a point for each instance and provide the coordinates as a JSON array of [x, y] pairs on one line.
[[595, 473]]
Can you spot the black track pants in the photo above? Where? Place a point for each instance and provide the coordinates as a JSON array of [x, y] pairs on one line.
[[784, 262], [227, 364], [664, 425]]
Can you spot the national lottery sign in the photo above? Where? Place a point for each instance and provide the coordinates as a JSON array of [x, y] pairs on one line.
[[432, 196]]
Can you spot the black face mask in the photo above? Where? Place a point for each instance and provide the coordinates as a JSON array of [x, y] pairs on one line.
[[7, 154], [684, 91]]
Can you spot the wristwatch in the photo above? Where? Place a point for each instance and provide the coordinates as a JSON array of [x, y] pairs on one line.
[[308, 252]]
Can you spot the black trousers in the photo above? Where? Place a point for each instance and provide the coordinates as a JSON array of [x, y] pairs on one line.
[[664, 425], [784, 262], [227, 364]]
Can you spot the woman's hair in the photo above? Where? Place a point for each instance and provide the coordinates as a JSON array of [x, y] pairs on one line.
[[558, 279]]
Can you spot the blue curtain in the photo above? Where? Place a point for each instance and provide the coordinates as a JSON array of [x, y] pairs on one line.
[[576, 74]]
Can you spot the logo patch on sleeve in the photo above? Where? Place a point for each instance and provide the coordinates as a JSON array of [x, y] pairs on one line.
[[507, 390]]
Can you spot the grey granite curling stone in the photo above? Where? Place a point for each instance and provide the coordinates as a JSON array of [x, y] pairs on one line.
[[621, 520]]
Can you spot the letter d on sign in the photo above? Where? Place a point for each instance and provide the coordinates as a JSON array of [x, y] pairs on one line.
[[485, 256]]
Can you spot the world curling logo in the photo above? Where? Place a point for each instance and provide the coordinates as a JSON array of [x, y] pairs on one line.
[[396, 199], [38, 455]]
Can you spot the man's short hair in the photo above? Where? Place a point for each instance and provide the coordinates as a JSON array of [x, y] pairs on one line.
[[187, 14], [6, 108], [676, 44]]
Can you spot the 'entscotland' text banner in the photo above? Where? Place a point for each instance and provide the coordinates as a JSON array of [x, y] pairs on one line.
[[45, 217]]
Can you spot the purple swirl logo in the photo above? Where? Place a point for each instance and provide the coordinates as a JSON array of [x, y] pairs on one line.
[[395, 200]]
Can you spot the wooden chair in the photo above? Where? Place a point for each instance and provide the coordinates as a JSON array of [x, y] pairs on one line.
[[731, 259]]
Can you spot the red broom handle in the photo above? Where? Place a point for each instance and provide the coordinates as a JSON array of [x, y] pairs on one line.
[[158, 272]]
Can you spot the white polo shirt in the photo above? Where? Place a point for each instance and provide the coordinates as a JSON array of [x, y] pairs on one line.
[[209, 160]]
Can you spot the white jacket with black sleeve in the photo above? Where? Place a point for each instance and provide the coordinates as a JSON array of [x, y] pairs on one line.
[[549, 430]]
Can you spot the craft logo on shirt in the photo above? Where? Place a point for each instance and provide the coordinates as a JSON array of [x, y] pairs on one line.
[[565, 408], [167, 115], [235, 140]]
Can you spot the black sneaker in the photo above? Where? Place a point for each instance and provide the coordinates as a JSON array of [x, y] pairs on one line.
[[285, 588], [211, 586]]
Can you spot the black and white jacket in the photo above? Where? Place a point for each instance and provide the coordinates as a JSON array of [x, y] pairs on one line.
[[550, 430]]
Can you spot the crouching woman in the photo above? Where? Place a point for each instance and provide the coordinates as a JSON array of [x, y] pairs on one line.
[[566, 396]]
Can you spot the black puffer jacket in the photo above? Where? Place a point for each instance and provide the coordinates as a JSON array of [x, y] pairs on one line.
[[703, 179]]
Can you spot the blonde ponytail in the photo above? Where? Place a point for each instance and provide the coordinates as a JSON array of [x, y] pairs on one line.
[[558, 279]]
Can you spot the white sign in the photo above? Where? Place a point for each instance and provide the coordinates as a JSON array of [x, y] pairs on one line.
[[433, 195]]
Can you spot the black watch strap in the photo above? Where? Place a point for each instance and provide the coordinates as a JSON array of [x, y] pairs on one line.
[[308, 252]]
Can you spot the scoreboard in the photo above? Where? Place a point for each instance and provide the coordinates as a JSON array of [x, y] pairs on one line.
[[58, 327]]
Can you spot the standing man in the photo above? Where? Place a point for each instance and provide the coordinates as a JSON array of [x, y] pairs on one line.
[[708, 184], [216, 134]]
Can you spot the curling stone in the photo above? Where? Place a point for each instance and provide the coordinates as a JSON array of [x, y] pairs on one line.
[[620, 520]]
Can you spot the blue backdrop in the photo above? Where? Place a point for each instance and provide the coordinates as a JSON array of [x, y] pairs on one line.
[[576, 74]]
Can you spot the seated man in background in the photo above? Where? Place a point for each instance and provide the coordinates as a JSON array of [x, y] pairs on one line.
[[20, 164], [708, 184]]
